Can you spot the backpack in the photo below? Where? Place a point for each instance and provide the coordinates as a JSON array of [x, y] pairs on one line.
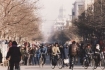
[[74, 48]]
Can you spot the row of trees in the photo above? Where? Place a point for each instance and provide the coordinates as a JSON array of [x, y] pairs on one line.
[[66, 34], [91, 22], [19, 19], [89, 26]]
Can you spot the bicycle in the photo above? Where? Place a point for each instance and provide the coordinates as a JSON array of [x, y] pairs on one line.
[[96, 63], [102, 61], [59, 62], [53, 61], [103, 64], [86, 60], [41, 60], [56, 61]]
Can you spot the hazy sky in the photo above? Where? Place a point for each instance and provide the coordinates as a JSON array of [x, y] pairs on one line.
[[50, 9]]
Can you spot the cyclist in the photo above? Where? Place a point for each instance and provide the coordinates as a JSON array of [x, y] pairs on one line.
[[82, 52], [72, 52], [43, 51], [15, 56], [55, 52], [97, 54], [88, 51], [50, 50]]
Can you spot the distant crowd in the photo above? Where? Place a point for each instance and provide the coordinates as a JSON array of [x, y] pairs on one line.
[[31, 52]]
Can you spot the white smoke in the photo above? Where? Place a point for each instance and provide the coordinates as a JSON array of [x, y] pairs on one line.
[[47, 30]]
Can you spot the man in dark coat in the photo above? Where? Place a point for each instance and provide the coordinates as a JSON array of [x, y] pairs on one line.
[[15, 56], [73, 48]]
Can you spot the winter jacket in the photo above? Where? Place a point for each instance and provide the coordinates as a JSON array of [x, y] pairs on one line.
[[14, 54]]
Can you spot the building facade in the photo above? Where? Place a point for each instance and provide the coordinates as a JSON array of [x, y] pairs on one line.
[[63, 20], [78, 8], [81, 6]]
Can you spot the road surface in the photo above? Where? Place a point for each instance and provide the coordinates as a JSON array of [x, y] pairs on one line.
[[47, 67]]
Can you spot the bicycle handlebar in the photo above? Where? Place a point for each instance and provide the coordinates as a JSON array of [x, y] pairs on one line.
[[90, 53], [58, 53], [43, 53], [97, 52]]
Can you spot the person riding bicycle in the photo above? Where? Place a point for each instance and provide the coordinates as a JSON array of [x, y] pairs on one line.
[[88, 51], [43, 51], [97, 54], [55, 52], [14, 56]]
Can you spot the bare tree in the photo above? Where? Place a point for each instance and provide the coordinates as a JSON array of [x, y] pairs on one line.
[[19, 18]]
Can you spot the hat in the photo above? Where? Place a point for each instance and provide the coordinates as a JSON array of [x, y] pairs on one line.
[[14, 43]]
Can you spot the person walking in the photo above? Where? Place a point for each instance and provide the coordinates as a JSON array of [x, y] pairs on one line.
[[34, 55], [66, 50], [0, 57], [14, 55], [72, 52], [37, 54], [30, 55]]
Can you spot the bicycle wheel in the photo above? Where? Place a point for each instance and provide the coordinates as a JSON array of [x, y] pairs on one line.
[[102, 64], [85, 64], [40, 62], [60, 63], [94, 65]]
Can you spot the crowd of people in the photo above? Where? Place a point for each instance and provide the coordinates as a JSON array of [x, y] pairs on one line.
[[30, 54]]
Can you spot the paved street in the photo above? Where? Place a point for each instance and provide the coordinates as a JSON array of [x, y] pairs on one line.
[[49, 68]]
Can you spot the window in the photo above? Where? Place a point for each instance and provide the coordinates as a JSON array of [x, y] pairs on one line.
[[80, 7], [73, 13]]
